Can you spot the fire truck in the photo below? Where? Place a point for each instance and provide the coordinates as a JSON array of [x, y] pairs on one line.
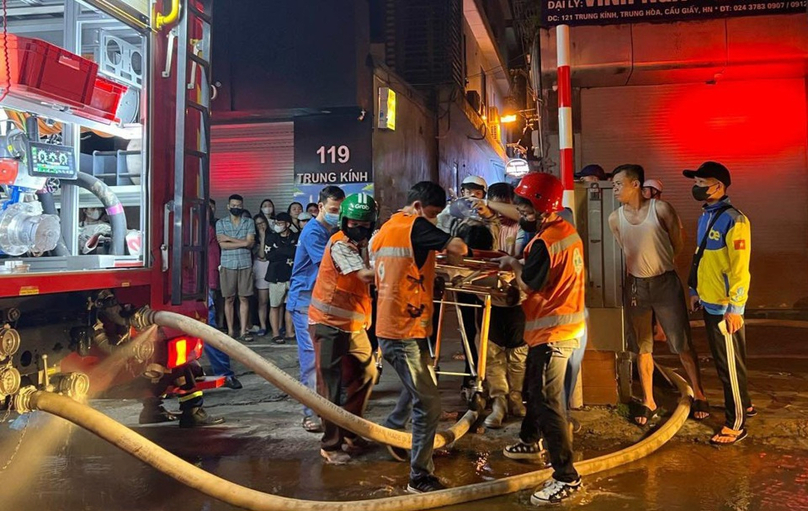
[[104, 164]]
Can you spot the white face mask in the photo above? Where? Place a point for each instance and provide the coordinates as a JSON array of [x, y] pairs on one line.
[[93, 214], [279, 228], [267, 211]]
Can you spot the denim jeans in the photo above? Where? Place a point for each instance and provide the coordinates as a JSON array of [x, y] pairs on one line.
[[305, 354], [574, 367], [219, 361], [410, 358], [546, 414]]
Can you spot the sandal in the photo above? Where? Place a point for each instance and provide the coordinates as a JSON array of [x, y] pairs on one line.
[[311, 425], [645, 413], [751, 412], [731, 435], [245, 338], [278, 340], [290, 339], [700, 406]]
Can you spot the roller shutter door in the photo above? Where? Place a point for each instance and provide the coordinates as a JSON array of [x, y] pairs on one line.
[[255, 161], [756, 128]]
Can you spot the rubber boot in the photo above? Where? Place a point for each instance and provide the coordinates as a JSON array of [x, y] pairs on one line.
[[515, 404], [498, 411], [197, 417]]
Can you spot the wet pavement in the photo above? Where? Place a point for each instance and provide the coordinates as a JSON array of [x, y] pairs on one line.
[[262, 446]]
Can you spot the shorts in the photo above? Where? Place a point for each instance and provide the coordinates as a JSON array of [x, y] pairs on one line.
[[259, 271], [664, 297], [236, 282], [278, 292]]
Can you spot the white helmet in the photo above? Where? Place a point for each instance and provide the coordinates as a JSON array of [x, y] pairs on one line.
[[475, 180]]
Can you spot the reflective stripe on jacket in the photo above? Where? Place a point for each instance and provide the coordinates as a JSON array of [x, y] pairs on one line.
[[340, 301], [404, 304], [556, 312]]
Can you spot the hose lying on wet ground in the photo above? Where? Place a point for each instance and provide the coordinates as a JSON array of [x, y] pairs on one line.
[[250, 499], [295, 389]]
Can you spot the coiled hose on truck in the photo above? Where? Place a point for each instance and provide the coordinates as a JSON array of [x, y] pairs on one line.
[[246, 498]]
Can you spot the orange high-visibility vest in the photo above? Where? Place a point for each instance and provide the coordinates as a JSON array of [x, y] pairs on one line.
[[340, 301], [404, 303], [556, 312]]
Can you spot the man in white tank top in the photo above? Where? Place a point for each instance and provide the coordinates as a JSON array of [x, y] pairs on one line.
[[649, 232]]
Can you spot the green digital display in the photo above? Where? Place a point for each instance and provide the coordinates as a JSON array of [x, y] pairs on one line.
[[48, 160]]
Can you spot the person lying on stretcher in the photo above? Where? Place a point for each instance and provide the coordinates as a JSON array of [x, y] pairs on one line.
[[507, 350]]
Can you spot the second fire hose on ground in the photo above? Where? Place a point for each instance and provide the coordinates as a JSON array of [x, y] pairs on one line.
[[247, 498]]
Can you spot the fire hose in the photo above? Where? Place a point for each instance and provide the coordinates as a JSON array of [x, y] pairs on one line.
[[286, 383], [246, 498]]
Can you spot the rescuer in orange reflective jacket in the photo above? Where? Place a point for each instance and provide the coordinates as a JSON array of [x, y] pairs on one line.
[[553, 278], [404, 259], [339, 315]]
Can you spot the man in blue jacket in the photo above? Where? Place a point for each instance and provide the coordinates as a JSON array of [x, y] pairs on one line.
[[310, 249]]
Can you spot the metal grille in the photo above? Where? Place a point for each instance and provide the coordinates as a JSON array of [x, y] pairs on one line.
[[424, 41], [255, 161], [668, 128]]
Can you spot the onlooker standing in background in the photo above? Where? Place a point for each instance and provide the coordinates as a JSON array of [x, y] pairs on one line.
[[652, 189], [220, 362], [719, 283], [311, 247], [592, 174], [304, 218], [236, 236], [294, 211], [268, 210], [280, 248], [260, 265], [312, 209]]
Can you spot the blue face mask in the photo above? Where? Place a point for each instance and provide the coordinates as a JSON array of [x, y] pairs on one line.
[[332, 219]]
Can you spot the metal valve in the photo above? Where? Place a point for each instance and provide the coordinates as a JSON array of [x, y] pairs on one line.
[[9, 342]]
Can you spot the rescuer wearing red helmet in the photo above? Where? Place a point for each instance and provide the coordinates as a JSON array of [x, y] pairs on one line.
[[552, 275]]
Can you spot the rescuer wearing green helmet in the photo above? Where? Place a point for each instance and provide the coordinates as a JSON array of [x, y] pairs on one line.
[[340, 313]]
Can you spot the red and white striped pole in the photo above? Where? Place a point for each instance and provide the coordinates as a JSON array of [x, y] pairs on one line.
[[565, 113]]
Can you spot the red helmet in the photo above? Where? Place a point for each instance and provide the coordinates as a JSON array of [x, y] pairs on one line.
[[544, 191]]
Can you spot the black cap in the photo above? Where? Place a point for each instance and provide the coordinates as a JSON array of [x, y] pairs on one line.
[[283, 217], [592, 170], [710, 169]]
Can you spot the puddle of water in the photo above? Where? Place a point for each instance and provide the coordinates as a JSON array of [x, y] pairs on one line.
[[89, 475]]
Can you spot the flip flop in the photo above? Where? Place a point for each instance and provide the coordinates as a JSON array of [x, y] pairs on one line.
[[700, 405], [278, 340], [311, 425], [728, 433], [647, 414], [751, 412]]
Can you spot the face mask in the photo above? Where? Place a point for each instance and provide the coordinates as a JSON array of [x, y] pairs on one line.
[[236, 211], [267, 211], [93, 214], [358, 234], [332, 219], [701, 193], [529, 225], [279, 228]]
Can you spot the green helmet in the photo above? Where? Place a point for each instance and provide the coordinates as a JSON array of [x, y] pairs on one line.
[[358, 206]]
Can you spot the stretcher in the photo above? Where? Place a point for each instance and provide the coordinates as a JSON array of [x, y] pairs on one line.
[[479, 276]]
